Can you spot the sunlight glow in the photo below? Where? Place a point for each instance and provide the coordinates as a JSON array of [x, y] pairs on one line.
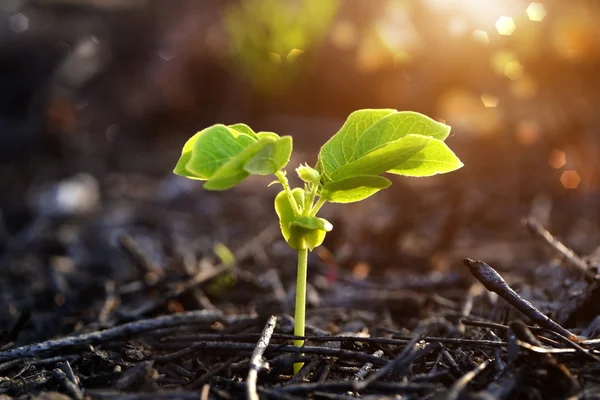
[[557, 159], [294, 54], [505, 26], [481, 37], [513, 70], [536, 12], [489, 100], [344, 34], [527, 133], [570, 179], [480, 13]]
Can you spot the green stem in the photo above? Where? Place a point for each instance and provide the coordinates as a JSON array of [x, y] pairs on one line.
[[299, 314], [286, 186], [310, 198], [317, 207]]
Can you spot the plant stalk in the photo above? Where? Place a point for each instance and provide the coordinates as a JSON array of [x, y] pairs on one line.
[[286, 186], [317, 207], [299, 314]]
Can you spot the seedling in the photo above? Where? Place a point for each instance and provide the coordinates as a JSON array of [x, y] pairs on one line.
[[349, 167]]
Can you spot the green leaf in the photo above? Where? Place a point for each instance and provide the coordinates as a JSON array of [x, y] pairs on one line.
[[232, 172], [243, 128], [284, 210], [353, 189], [435, 158], [267, 135], [383, 158], [308, 232], [186, 155], [339, 150], [214, 147], [271, 158], [299, 232], [396, 126]]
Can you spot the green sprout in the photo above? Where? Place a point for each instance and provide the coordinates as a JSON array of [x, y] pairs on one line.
[[349, 167]]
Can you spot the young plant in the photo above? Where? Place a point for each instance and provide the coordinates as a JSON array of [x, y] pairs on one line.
[[349, 167]]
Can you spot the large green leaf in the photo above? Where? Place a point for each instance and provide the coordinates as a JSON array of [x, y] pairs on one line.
[[383, 158], [353, 189], [213, 148], [367, 130], [396, 126], [339, 150], [435, 158], [271, 158], [243, 128], [232, 172]]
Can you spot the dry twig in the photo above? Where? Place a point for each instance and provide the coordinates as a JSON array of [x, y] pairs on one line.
[[256, 362], [495, 283]]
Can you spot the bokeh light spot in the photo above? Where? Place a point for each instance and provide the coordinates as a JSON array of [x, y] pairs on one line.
[[489, 100], [557, 159], [462, 110], [19, 23], [505, 26], [343, 34], [361, 271], [481, 37], [500, 59], [536, 12], [457, 27], [276, 58], [513, 70], [402, 58], [570, 179], [527, 133], [525, 88], [294, 54]]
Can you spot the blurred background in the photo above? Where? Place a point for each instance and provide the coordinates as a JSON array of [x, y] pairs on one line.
[[97, 98]]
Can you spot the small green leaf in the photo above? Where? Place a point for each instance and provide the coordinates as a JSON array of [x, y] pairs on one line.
[[308, 232], [383, 158], [299, 232], [214, 147], [339, 150], [396, 126], [435, 158], [186, 155], [312, 224], [353, 189], [267, 135], [284, 210], [271, 158], [225, 254], [243, 128], [232, 172]]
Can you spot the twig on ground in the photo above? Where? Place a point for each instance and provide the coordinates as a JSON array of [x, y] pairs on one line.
[[402, 361], [495, 283], [256, 362], [247, 347], [394, 387], [365, 369], [573, 259], [70, 387], [461, 384], [121, 331]]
